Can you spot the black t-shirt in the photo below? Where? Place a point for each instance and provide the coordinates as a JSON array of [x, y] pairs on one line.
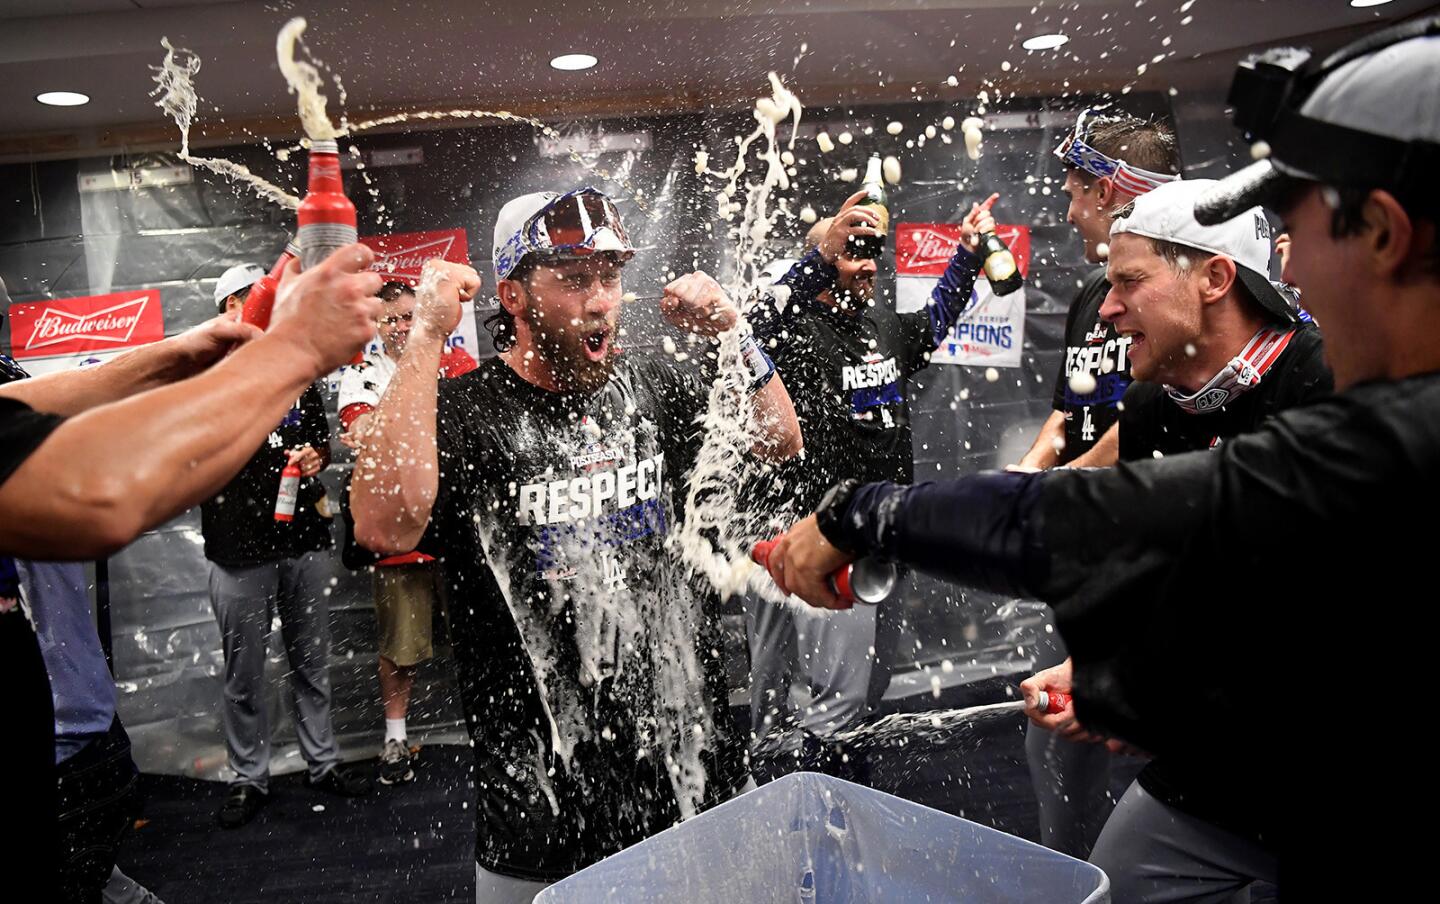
[[1151, 422], [22, 430], [238, 522], [1263, 612], [846, 376], [1092, 346], [586, 657]]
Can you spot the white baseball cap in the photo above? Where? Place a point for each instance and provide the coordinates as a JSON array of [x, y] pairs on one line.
[[1167, 213], [587, 223], [240, 276]]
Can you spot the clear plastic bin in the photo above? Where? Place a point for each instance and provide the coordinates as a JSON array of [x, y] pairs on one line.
[[813, 839]]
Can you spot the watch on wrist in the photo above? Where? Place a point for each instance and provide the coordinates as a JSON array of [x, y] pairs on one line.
[[832, 509]]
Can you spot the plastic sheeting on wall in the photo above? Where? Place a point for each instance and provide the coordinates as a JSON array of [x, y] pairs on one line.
[[178, 239]]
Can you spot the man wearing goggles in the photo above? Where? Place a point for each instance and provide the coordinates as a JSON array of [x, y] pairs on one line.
[[588, 658], [1205, 596]]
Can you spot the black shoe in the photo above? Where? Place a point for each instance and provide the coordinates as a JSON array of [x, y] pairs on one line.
[[241, 806], [342, 782], [396, 763]]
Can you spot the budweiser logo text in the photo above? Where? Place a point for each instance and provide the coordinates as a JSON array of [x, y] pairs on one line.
[[930, 248], [114, 324]]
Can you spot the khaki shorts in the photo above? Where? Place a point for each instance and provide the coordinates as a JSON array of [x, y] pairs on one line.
[[405, 600]]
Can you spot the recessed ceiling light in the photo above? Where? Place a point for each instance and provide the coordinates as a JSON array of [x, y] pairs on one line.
[[1361, 4], [63, 98], [1045, 42], [573, 62]]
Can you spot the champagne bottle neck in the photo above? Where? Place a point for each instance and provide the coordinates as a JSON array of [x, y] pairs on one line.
[[872, 173]]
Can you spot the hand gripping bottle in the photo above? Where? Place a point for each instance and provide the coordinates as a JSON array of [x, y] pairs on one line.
[[261, 299], [326, 217], [866, 580]]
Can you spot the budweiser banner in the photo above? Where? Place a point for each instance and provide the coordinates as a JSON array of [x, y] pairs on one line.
[[402, 255], [992, 331], [46, 336]]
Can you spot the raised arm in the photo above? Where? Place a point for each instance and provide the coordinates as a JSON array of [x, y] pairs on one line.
[[696, 302], [114, 470], [397, 474]]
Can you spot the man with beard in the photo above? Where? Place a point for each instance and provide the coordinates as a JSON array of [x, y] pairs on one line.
[[590, 665], [846, 359], [406, 587]]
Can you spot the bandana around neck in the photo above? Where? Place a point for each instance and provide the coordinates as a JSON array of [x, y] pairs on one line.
[[1242, 374]]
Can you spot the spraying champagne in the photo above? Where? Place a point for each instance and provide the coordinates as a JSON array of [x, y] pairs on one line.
[[867, 580]]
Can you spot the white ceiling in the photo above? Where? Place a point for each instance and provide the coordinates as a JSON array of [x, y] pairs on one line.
[[655, 55]]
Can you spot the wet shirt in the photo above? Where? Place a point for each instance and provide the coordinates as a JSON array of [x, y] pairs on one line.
[[846, 374], [1093, 347], [1151, 426], [590, 667], [238, 522]]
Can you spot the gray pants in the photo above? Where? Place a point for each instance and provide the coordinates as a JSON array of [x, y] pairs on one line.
[[1155, 854], [493, 888], [1071, 780], [808, 668], [1072, 790], [246, 599]]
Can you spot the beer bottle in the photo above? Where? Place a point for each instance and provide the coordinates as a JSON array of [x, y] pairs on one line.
[[871, 246], [1000, 267], [326, 217]]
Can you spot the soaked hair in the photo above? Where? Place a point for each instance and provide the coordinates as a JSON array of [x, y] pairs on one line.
[[501, 323], [1144, 143], [394, 289]]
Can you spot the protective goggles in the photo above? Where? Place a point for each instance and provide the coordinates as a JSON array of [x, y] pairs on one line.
[[1076, 151], [1270, 88], [576, 224]]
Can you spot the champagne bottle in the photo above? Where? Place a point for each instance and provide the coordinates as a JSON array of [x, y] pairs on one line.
[[871, 246], [1000, 267]]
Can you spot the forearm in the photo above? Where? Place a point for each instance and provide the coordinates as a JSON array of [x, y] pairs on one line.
[[773, 416], [397, 473], [952, 295], [979, 531], [70, 392], [1045, 453], [148, 457]]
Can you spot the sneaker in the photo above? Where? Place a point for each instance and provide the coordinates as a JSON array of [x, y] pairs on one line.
[[397, 763], [341, 781], [241, 806]]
